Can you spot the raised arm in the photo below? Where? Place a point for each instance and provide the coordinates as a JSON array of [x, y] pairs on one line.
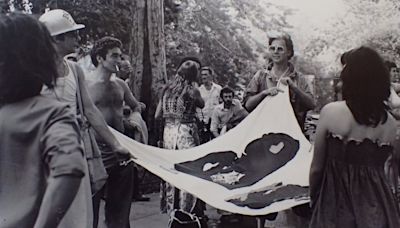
[[129, 99], [254, 95]]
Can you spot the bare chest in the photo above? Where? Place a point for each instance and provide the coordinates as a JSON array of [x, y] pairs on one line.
[[106, 94]]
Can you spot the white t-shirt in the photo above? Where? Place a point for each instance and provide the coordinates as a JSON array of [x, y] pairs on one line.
[[211, 99]]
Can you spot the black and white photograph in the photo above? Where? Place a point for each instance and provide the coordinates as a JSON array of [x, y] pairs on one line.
[[199, 113]]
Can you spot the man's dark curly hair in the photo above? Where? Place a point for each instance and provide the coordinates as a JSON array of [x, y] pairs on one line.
[[102, 46]]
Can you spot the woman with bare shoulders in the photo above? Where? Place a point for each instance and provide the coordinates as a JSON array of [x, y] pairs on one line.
[[355, 137]]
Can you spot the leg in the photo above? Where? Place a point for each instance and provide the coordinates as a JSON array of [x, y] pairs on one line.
[[119, 196]]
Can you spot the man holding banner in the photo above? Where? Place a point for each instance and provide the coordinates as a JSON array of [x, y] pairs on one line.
[[109, 93], [257, 168], [280, 70]]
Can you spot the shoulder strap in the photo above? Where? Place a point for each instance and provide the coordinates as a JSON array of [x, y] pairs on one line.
[[75, 72]]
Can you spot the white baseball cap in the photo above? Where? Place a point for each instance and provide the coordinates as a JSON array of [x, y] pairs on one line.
[[59, 21]]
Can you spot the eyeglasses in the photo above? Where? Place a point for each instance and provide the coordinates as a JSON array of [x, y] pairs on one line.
[[278, 49]]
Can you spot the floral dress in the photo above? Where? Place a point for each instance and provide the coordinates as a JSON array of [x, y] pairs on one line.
[[180, 132]]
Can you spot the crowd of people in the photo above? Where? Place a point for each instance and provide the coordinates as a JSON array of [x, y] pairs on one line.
[[59, 159]]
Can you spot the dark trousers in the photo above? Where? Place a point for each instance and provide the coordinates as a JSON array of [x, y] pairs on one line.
[[118, 192]]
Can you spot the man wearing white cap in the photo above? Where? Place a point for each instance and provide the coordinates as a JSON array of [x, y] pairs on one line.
[[71, 88]]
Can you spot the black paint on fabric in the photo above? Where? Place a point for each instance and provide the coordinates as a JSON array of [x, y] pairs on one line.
[[262, 157]]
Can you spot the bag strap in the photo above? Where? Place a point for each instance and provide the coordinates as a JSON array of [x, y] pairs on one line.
[[75, 72]]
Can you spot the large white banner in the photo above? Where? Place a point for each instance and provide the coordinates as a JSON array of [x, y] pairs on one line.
[[259, 167]]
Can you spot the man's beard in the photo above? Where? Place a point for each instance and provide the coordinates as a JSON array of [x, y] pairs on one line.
[[228, 104]]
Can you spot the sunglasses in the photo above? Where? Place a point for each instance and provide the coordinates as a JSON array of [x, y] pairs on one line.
[[278, 49]]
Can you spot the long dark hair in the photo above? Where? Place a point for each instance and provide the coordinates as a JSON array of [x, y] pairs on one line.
[[27, 58], [366, 86]]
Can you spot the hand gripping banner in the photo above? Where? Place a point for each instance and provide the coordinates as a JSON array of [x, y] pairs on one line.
[[259, 167]]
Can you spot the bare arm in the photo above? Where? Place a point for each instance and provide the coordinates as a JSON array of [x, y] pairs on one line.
[[394, 99], [129, 99], [158, 114], [256, 99], [319, 157], [214, 123], [60, 193]]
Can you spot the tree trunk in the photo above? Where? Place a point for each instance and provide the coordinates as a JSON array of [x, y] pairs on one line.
[[147, 49]]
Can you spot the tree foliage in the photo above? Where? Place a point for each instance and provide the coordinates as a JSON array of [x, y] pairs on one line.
[[231, 35]]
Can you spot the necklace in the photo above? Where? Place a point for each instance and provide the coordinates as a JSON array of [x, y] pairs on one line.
[[276, 77]]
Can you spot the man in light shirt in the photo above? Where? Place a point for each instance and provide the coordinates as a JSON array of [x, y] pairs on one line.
[[210, 92]]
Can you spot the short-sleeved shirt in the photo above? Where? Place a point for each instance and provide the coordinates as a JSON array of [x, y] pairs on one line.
[[263, 79], [211, 99], [65, 89], [39, 139], [221, 115]]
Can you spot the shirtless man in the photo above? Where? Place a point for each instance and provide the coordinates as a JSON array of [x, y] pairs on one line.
[[109, 93]]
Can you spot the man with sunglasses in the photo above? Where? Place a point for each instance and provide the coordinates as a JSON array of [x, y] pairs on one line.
[[71, 89], [266, 83]]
